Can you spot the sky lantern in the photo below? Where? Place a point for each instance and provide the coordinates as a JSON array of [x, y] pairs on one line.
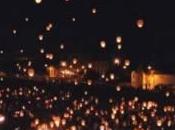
[[2, 118], [140, 23], [49, 56], [75, 61], [90, 66], [62, 46], [63, 63], [117, 61], [38, 1], [51, 71], [94, 10], [127, 63], [119, 39], [103, 44], [41, 37], [31, 72]]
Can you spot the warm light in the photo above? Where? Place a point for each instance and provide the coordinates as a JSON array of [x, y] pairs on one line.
[[75, 61], [40, 37], [49, 27], [89, 82], [117, 61], [149, 67], [94, 10], [112, 76], [119, 47], [38, 1], [103, 44], [90, 65], [49, 56], [119, 39], [1, 52], [127, 63], [42, 51], [51, 71], [2, 118], [14, 31], [62, 46], [73, 19], [31, 72], [63, 64], [140, 23]]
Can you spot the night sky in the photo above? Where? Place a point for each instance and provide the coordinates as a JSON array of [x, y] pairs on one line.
[[152, 44]]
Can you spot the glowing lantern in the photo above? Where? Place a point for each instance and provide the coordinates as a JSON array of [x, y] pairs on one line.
[[49, 56], [40, 37], [14, 31], [89, 82], [62, 46], [38, 1], [127, 62], [31, 72], [103, 44], [75, 61], [119, 47], [1, 51], [2, 119], [94, 10], [63, 64], [140, 23], [117, 61], [90, 65], [41, 50], [73, 19], [112, 76], [149, 67], [118, 39], [51, 71]]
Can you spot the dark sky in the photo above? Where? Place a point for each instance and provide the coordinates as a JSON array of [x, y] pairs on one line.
[[152, 44]]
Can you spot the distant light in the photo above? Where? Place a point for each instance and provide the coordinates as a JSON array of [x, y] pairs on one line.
[[75, 61], [103, 76], [2, 118], [49, 56], [31, 72], [149, 67], [29, 63], [38, 1], [14, 31], [27, 19], [119, 47], [167, 94], [63, 63], [21, 51], [62, 46], [94, 10], [124, 67], [112, 76], [140, 23], [118, 88], [73, 19], [127, 63], [119, 39], [49, 27], [103, 44], [40, 37], [90, 65], [42, 51], [89, 82], [117, 61], [1, 52], [1, 79]]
